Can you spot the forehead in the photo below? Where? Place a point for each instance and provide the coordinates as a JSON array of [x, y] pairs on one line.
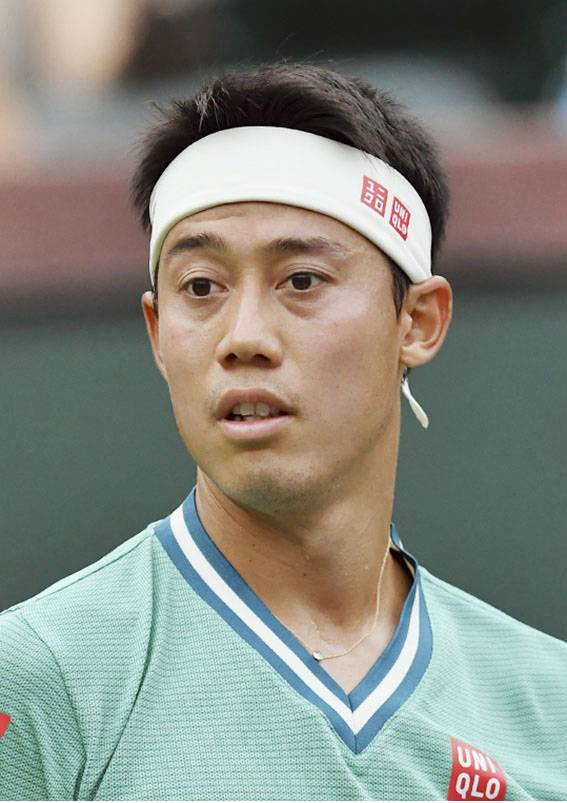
[[264, 219]]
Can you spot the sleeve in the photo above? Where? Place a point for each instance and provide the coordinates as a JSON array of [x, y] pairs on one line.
[[41, 750]]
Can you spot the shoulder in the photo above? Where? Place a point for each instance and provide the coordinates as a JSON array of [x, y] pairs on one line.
[[474, 609], [89, 591], [488, 634], [100, 613]]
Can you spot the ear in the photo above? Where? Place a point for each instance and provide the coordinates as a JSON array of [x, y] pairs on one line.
[[149, 308], [425, 318]]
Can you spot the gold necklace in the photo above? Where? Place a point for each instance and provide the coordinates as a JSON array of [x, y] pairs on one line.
[[317, 655]]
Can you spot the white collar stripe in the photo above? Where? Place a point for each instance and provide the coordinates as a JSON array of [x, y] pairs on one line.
[[395, 676], [249, 618]]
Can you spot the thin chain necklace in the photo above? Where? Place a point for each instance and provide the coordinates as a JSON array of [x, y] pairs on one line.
[[319, 656]]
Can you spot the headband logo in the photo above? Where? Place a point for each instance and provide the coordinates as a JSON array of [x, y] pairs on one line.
[[400, 218], [374, 195]]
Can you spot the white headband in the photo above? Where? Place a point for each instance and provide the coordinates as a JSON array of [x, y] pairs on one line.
[[284, 165]]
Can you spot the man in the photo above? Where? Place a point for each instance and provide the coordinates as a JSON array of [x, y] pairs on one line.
[[272, 638]]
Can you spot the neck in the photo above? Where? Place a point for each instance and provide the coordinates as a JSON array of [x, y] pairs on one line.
[[325, 556]]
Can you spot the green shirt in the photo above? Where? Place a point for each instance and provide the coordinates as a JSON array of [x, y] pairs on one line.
[[157, 673]]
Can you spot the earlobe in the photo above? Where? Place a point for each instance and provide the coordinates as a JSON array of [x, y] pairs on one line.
[[150, 312], [429, 307]]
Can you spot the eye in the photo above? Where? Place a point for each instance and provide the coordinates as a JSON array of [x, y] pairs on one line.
[[303, 277], [199, 287]]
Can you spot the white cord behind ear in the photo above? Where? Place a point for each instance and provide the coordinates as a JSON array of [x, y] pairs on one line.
[[418, 410]]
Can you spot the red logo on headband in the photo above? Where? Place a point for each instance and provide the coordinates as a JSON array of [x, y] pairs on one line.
[[374, 195], [400, 218]]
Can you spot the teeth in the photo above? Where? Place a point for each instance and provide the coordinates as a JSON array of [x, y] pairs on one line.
[[259, 410]]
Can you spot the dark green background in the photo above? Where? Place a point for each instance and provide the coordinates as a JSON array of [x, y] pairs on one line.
[[91, 453]]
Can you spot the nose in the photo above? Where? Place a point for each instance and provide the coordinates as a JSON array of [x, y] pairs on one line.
[[250, 328]]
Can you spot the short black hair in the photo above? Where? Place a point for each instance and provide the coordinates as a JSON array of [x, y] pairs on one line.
[[309, 98]]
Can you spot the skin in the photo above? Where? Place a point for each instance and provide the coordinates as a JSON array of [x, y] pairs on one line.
[[303, 515]]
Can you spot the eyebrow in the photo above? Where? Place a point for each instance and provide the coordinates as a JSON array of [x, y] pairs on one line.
[[281, 245]]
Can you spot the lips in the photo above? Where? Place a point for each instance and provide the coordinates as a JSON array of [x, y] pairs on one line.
[[264, 429], [231, 398]]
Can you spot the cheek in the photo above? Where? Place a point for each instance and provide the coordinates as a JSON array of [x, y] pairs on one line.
[[357, 348], [181, 352]]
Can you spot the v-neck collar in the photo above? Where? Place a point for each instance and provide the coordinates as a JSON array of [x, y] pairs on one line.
[[358, 716]]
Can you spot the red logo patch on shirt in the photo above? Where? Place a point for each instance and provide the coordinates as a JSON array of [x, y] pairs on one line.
[[400, 218], [374, 195], [475, 776], [5, 720]]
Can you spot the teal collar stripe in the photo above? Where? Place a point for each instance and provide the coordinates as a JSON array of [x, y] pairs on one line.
[[357, 717]]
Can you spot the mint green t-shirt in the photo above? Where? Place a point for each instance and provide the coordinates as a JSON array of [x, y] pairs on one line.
[[157, 673]]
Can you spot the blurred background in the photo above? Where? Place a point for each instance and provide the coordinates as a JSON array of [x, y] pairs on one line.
[[89, 445]]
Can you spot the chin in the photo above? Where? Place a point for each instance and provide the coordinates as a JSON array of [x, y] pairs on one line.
[[264, 488]]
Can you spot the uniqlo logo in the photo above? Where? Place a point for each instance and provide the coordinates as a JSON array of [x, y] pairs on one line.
[[400, 218], [475, 776], [374, 195], [4, 722]]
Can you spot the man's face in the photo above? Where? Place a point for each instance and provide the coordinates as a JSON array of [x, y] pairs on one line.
[[329, 348]]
